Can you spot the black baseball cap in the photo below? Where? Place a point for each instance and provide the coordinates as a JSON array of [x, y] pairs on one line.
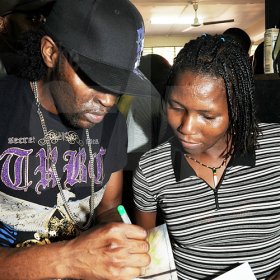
[[105, 39], [11, 6]]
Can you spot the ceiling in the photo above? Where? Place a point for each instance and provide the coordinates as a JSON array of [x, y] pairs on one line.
[[248, 15]]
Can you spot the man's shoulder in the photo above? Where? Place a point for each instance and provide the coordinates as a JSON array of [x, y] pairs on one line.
[[10, 82], [7, 79]]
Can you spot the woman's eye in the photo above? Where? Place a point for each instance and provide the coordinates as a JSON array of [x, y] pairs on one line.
[[175, 107], [209, 117]]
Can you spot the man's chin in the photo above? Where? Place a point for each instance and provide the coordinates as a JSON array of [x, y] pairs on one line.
[[79, 123], [86, 125]]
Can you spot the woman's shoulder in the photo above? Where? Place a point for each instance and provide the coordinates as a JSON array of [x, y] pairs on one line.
[[269, 129], [162, 151], [269, 136]]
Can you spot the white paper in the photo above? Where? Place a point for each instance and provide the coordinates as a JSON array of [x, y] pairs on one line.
[[241, 272], [162, 266]]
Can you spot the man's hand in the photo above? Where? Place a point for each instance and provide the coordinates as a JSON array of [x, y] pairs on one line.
[[115, 251]]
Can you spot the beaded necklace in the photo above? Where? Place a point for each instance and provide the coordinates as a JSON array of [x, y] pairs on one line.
[[214, 169], [77, 224]]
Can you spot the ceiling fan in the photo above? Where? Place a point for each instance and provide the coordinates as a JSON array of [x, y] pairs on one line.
[[196, 22]]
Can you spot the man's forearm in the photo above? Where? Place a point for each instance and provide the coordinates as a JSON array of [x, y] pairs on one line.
[[113, 251], [37, 262]]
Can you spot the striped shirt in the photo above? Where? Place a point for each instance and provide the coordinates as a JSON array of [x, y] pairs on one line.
[[211, 231]]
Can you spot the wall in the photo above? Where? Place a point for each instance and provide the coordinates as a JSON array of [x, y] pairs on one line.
[[178, 41], [165, 41]]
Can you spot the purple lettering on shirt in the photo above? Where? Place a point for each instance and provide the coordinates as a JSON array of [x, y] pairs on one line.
[[19, 166], [15, 168], [44, 168], [99, 176], [76, 171]]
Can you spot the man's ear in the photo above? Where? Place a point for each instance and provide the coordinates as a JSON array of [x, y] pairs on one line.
[[50, 51]]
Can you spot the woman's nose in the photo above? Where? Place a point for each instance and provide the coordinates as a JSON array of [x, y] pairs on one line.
[[187, 125]]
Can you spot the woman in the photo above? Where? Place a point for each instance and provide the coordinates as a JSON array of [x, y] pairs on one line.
[[217, 182]]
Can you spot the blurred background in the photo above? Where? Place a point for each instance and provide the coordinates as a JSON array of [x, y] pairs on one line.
[[169, 24]]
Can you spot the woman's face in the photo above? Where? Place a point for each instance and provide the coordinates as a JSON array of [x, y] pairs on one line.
[[197, 111]]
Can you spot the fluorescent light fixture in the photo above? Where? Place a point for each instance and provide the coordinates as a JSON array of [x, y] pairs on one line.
[[173, 20]]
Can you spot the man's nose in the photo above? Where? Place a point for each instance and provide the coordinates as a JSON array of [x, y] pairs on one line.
[[107, 99]]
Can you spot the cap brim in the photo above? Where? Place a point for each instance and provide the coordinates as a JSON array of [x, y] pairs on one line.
[[120, 81]]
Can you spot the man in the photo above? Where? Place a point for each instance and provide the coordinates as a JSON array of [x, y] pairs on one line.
[[63, 146], [17, 17]]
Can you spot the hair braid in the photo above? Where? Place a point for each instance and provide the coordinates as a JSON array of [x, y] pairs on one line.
[[221, 56]]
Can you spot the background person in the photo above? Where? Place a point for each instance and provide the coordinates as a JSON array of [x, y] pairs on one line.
[[146, 121], [240, 36], [17, 17], [258, 59], [216, 182], [63, 146]]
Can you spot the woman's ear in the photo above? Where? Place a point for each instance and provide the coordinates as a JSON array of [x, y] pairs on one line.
[[50, 51]]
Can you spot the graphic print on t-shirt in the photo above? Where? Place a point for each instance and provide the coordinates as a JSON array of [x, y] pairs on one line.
[[69, 153], [16, 167]]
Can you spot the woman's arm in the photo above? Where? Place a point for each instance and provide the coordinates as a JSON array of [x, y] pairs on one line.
[[146, 220]]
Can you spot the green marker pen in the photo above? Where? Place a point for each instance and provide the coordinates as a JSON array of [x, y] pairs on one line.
[[123, 214]]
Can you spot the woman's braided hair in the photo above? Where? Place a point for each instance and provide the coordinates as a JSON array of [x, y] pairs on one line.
[[221, 56]]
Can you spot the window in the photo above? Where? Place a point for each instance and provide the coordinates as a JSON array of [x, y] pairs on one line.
[[168, 53]]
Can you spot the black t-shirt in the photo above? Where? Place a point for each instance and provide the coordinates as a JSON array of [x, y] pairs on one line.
[[29, 194]]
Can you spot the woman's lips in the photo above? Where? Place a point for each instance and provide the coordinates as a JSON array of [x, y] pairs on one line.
[[189, 144]]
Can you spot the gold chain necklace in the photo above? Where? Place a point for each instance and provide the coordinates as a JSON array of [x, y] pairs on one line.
[[214, 169], [53, 167]]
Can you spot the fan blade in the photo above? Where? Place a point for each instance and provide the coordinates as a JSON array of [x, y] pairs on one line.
[[218, 21], [187, 29]]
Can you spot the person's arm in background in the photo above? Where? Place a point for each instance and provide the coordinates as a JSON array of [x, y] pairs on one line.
[[114, 251]]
